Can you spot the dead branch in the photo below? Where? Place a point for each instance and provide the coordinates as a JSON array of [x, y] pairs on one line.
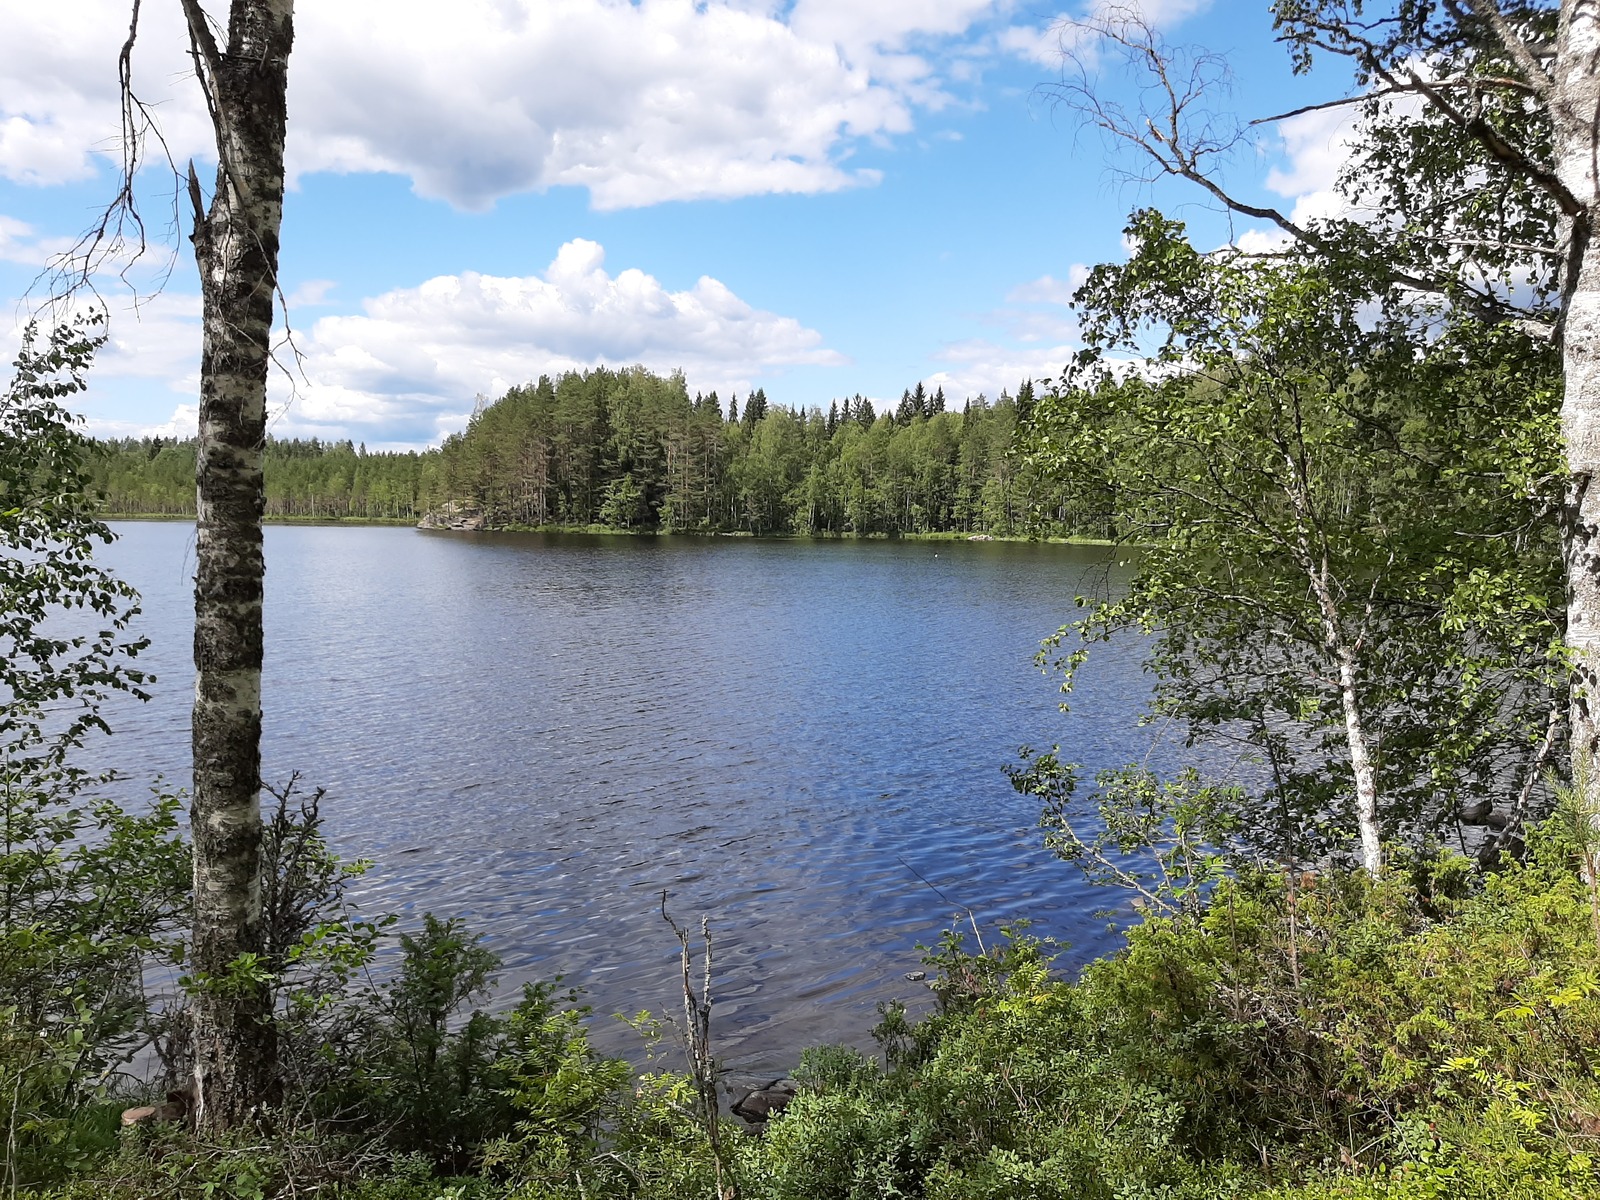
[[697, 1042]]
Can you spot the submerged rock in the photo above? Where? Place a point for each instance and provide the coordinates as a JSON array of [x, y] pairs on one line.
[[760, 1104]]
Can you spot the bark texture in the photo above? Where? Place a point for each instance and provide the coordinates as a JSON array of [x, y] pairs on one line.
[[1366, 779], [236, 249], [1575, 113], [1345, 654]]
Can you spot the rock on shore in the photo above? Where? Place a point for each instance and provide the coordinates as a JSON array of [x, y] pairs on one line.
[[453, 516]]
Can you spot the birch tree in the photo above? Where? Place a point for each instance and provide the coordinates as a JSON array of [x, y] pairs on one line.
[[1472, 178], [242, 72], [1341, 556]]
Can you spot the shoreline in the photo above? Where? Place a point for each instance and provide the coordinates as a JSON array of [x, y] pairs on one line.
[[609, 531]]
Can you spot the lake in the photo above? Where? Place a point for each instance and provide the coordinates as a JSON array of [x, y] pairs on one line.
[[803, 741]]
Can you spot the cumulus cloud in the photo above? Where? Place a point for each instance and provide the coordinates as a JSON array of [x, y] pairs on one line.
[[637, 102], [313, 293], [406, 369], [156, 339], [1045, 42], [1316, 146], [981, 365], [183, 422], [150, 338], [1047, 289], [1313, 149], [22, 243]]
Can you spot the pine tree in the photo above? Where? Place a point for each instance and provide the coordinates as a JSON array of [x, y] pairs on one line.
[[755, 407], [1025, 400]]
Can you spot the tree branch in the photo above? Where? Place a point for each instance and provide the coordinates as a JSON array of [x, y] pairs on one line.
[[1520, 51]]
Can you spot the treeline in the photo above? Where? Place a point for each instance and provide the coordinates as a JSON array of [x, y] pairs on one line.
[[311, 478], [630, 449]]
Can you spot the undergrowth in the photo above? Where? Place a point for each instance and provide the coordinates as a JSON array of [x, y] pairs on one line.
[[1431, 1034]]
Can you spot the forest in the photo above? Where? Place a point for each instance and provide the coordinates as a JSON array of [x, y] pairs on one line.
[[630, 450]]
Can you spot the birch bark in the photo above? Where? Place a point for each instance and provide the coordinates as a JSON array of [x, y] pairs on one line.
[[236, 250], [1575, 116]]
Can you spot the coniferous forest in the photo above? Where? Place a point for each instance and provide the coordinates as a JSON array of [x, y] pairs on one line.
[[632, 450]]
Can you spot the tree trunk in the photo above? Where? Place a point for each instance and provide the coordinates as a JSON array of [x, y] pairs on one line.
[[1361, 767], [236, 249], [1575, 111], [1344, 656]]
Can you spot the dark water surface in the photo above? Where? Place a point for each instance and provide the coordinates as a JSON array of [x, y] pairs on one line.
[[540, 733]]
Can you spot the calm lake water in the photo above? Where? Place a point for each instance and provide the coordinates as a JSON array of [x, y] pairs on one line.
[[541, 733]]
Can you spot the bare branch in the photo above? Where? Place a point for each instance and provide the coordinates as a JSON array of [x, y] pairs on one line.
[[1179, 139], [1477, 82]]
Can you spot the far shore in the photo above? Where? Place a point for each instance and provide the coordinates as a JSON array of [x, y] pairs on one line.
[[610, 531]]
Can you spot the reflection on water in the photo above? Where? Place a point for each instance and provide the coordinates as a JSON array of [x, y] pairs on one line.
[[540, 734]]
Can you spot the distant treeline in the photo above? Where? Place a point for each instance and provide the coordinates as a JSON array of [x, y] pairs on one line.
[[630, 449], [155, 477]]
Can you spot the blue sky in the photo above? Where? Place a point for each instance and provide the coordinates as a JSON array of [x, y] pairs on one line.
[[819, 197]]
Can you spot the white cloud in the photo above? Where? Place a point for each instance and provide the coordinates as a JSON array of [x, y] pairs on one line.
[[183, 422], [152, 338], [1047, 289], [1040, 44], [406, 368], [1317, 145], [980, 365], [157, 340], [313, 293], [21, 243], [638, 102], [58, 86], [1046, 42]]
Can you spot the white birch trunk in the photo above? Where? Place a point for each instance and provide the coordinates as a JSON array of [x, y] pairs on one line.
[[1345, 655], [1346, 659], [236, 249], [1366, 779], [1575, 112]]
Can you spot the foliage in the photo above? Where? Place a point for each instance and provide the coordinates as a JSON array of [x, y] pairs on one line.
[[53, 671], [1424, 1034], [1342, 524], [1170, 840], [423, 1074], [1447, 180], [89, 894], [1294, 1037]]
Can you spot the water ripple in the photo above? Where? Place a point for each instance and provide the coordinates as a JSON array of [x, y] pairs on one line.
[[802, 741]]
